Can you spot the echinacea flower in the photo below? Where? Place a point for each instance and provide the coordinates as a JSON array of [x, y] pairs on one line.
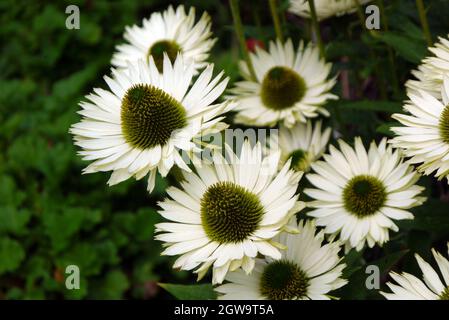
[[228, 212], [168, 32], [430, 74], [140, 125], [290, 86], [359, 194], [425, 134], [307, 270], [304, 144]]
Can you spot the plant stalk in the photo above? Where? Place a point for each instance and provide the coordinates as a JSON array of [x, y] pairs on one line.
[[316, 26], [276, 21], [235, 11], [424, 22]]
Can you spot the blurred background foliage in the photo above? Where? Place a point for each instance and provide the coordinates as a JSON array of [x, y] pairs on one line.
[[51, 216]]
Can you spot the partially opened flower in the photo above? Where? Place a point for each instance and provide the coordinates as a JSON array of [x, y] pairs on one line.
[[325, 8], [425, 135], [304, 144], [434, 287], [290, 86], [170, 32], [308, 269], [141, 123], [431, 72], [359, 194], [228, 212]]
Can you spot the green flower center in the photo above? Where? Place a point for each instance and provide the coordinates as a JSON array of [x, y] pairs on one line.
[[444, 125], [149, 116], [299, 160], [445, 294], [230, 213], [364, 195], [282, 88], [283, 280], [157, 51]]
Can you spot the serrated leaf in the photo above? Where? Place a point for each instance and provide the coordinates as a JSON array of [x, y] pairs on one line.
[[71, 220], [82, 255], [112, 287], [410, 49], [9, 194], [13, 220], [11, 255], [190, 292]]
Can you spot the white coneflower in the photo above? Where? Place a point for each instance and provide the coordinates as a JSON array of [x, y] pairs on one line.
[[228, 212], [304, 144], [139, 126], [409, 287], [306, 270], [431, 72], [425, 137], [290, 86], [170, 32], [325, 8], [360, 193]]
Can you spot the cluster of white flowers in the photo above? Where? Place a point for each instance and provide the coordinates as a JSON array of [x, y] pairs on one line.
[[236, 215]]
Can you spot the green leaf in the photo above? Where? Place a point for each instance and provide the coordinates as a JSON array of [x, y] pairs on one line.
[[386, 263], [112, 287], [11, 255], [410, 49], [190, 292], [144, 224], [9, 194], [370, 105], [433, 216], [13, 220], [356, 288], [385, 128], [82, 255], [71, 220], [353, 260], [71, 86]]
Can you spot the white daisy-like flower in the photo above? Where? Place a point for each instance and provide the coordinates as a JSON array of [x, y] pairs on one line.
[[360, 193], [306, 270], [170, 32], [142, 123], [325, 8], [290, 86], [409, 287], [228, 212], [425, 135], [431, 72], [304, 144]]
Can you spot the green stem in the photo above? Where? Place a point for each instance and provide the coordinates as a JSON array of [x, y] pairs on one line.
[[316, 26], [390, 51], [424, 23], [257, 22], [241, 37], [284, 25], [378, 71], [277, 23]]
